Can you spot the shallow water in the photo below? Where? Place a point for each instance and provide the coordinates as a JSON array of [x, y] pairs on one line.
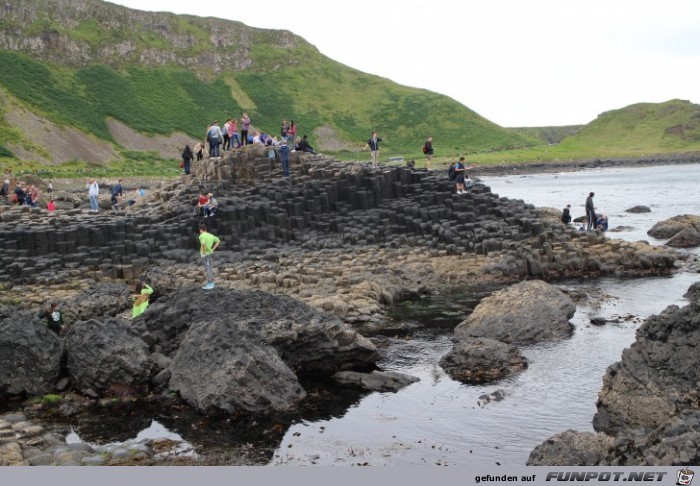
[[440, 421], [667, 190]]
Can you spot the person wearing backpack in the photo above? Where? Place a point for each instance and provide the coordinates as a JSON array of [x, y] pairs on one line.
[[117, 193], [428, 151], [451, 174]]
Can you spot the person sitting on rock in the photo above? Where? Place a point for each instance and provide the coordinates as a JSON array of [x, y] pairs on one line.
[[20, 195], [468, 183], [601, 223], [211, 206], [566, 214], [304, 145], [142, 295], [201, 203]]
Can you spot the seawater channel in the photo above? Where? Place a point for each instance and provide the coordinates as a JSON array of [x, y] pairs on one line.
[[439, 421]]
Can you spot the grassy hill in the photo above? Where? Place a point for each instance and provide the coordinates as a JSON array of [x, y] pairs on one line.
[[72, 68], [161, 73], [636, 131]]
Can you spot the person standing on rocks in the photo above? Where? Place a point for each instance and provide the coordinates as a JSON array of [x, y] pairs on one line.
[[214, 137], [117, 194], [291, 134], [93, 193], [284, 157], [590, 212], [459, 175], [373, 144], [224, 133], [199, 151], [187, 156], [245, 126], [208, 243], [233, 134], [5, 191], [428, 151]]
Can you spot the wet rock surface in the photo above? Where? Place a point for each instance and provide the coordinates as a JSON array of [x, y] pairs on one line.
[[649, 401], [572, 448], [376, 380], [527, 312], [482, 360], [668, 228]]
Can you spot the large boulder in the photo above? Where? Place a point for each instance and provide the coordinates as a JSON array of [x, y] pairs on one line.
[[482, 360], [306, 339], [572, 448], [30, 355], [528, 312], [672, 226], [103, 299], [107, 356], [638, 209], [658, 375], [686, 238], [220, 366]]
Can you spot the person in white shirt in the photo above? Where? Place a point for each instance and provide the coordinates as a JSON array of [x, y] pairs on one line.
[[93, 192]]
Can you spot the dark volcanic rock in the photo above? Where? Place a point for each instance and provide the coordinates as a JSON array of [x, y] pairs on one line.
[[693, 293], [305, 338], [649, 404], [30, 355], [104, 299], [638, 209], [105, 354], [686, 238], [658, 375], [376, 380], [482, 360], [221, 366], [674, 442], [670, 227], [530, 311], [572, 448]]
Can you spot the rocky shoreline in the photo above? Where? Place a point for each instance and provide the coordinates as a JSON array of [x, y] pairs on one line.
[[308, 269]]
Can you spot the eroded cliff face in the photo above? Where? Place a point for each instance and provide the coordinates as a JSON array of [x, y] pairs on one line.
[[80, 32]]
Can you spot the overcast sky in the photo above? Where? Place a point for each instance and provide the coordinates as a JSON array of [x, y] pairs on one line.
[[515, 62]]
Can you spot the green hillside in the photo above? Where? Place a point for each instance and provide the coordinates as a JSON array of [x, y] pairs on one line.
[[636, 131], [112, 63], [84, 64]]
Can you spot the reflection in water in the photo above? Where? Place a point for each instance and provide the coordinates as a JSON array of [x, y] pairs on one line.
[[441, 421]]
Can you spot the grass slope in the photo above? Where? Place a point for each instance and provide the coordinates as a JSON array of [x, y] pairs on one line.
[[166, 99], [637, 131]]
